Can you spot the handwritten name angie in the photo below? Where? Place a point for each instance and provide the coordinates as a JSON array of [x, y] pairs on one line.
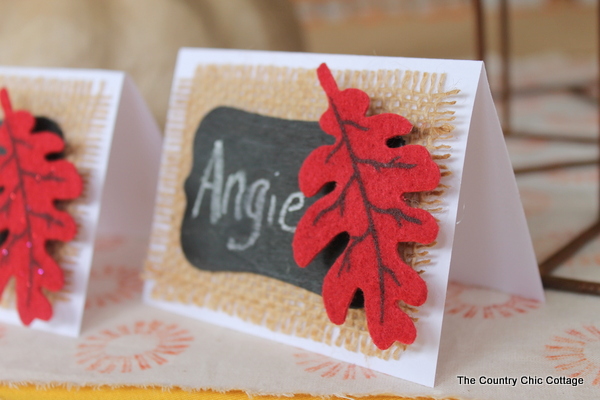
[[248, 201]]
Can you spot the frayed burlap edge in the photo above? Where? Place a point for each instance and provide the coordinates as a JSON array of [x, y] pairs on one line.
[[81, 110], [292, 93]]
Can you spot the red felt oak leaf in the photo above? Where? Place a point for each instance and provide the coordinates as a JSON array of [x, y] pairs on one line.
[[368, 204], [30, 185]]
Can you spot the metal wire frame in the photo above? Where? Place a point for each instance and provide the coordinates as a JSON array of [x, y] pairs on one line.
[[570, 249]]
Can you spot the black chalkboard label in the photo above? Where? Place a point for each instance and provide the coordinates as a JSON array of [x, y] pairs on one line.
[[243, 200]]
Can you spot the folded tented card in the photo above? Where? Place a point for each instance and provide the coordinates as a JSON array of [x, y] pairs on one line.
[[79, 157], [324, 201]]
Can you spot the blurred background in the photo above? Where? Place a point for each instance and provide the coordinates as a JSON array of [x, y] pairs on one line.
[[444, 28], [553, 70], [142, 36]]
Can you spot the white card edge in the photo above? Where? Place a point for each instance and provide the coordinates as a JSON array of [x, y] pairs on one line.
[[525, 282], [188, 61], [62, 321]]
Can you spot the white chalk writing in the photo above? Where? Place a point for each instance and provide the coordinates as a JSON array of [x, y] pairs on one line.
[[248, 201]]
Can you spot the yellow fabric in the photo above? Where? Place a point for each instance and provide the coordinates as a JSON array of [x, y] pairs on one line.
[[135, 393]]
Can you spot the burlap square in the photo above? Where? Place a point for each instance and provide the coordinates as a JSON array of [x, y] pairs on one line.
[[292, 93]]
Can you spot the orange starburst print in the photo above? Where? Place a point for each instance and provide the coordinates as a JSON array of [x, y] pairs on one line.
[[572, 352], [475, 302], [573, 176], [128, 348], [108, 243], [584, 260], [111, 284], [328, 368]]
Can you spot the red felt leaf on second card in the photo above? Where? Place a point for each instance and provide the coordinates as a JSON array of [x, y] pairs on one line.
[[30, 184], [371, 178]]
